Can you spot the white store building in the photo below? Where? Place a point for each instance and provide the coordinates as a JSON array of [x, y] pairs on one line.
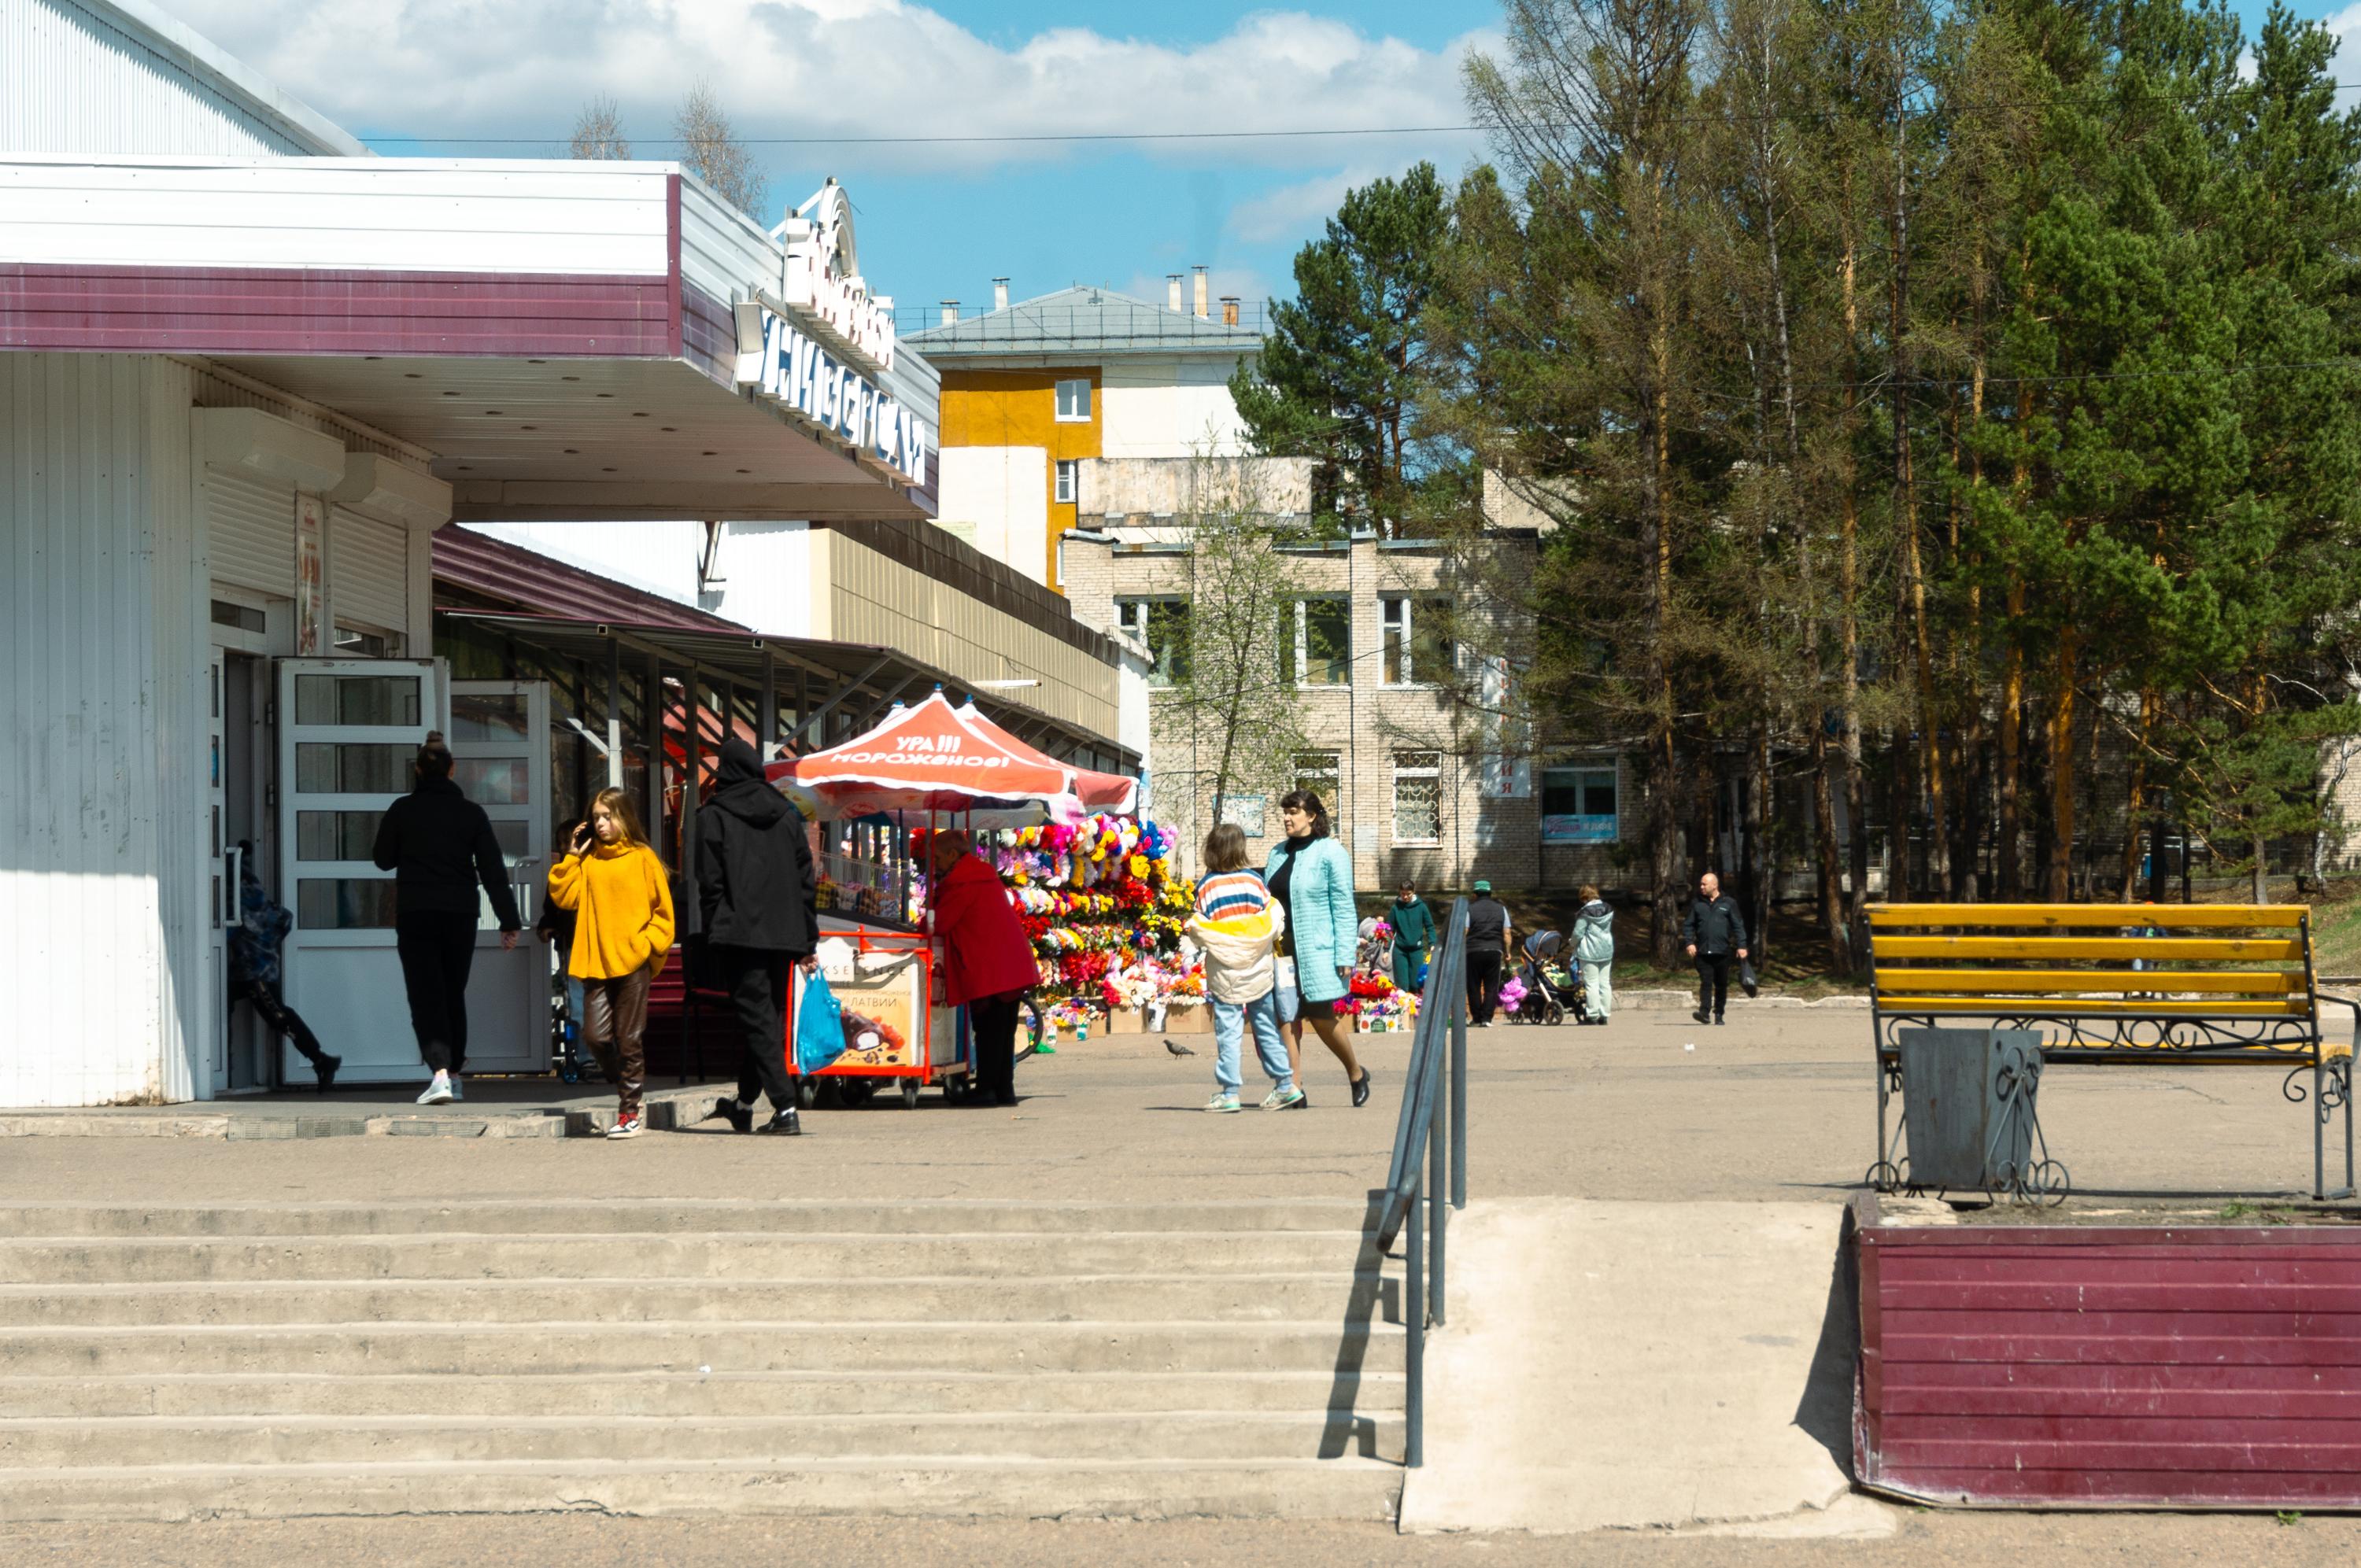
[[246, 370]]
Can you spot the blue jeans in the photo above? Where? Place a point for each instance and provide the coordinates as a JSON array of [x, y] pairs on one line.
[[1230, 1021]]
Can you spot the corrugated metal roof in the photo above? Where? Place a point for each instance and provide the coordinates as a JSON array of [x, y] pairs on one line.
[[1082, 321], [124, 76], [526, 579]]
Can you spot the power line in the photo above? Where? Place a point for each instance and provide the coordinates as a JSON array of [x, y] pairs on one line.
[[1038, 137]]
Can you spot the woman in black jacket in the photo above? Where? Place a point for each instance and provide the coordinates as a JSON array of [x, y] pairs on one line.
[[755, 889], [440, 847]]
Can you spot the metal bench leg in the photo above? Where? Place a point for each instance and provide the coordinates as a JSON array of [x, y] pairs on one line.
[[2318, 1129]]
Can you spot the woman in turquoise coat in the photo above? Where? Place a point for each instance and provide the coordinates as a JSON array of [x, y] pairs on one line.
[[1310, 875]]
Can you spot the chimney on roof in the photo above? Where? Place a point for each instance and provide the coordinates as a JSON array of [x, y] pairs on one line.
[[1173, 290], [950, 313], [999, 293], [1200, 292], [1229, 310]]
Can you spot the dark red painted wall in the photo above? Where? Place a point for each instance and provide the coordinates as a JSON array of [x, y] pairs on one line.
[[2027, 1365], [260, 311]]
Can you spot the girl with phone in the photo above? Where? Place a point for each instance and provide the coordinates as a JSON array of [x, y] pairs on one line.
[[621, 901]]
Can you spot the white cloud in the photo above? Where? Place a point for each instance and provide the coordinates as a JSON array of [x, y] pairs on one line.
[[785, 68], [1299, 210]]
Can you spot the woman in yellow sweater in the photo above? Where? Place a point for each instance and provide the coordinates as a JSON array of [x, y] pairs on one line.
[[622, 932]]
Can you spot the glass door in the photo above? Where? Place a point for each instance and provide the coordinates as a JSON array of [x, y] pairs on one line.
[[222, 882], [499, 747], [348, 731]]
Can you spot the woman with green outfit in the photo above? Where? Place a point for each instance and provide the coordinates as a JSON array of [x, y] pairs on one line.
[[1413, 925], [1310, 875]]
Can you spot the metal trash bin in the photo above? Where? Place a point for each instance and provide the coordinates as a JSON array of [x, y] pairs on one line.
[[1969, 1099]]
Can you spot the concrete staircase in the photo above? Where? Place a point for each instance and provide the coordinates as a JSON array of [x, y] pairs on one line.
[[682, 1357]]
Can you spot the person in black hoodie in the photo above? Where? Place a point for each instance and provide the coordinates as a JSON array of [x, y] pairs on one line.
[[440, 847], [755, 890], [1715, 929]]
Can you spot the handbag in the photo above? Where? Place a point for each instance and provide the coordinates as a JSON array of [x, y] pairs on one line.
[[819, 1026], [1746, 980]]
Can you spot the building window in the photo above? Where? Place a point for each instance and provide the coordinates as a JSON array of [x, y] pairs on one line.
[[1316, 641], [1317, 772], [1417, 649], [240, 617], [366, 642], [1074, 401], [1578, 806], [1067, 468], [1418, 797], [1163, 625]]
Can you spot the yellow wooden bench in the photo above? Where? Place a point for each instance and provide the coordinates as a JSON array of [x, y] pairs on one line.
[[2116, 985]]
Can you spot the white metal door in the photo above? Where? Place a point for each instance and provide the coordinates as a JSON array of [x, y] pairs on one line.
[[498, 735], [348, 731]]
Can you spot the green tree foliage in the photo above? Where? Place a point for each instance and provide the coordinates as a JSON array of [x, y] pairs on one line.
[[1339, 375], [1953, 410]]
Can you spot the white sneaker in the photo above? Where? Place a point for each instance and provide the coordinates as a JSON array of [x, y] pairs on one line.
[[437, 1093], [1223, 1105], [627, 1127], [1283, 1100]]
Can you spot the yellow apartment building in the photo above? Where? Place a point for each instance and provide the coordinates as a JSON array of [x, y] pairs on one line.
[[1032, 392]]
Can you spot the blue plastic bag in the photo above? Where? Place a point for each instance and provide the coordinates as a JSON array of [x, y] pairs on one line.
[[819, 1026]]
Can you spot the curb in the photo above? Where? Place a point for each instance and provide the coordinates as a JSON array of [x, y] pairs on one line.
[[663, 1113], [1682, 1001]]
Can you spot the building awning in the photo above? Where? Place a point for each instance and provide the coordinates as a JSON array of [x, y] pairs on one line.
[[860, 681], [559, 339]]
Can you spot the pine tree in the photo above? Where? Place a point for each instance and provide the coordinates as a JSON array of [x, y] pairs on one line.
[[1338, 377]]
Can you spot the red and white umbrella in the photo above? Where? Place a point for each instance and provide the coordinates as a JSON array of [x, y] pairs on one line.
[[924, 762], [1115, 793]]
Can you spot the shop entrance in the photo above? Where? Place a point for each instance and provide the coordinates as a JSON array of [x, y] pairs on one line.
[[500, 750], [238, 1056], [348, 730]]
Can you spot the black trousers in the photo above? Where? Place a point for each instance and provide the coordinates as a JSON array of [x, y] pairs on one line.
[[756, 981], [1713, 982], [992, 1022], [272, 1008], [1483, 984], [437, 949]]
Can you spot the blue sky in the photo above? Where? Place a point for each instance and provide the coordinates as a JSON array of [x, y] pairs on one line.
[[940, 221]]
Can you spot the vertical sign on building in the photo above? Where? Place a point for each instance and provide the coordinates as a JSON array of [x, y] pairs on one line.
[[308, 525]]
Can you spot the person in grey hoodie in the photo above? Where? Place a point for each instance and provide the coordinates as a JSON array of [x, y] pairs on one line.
[[1594, 950]]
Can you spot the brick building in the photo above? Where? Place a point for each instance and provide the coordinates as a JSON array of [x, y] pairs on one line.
[[1418, 782]]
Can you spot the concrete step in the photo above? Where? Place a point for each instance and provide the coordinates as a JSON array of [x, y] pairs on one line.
[[1211, 1298], [597, 1345], [589, 1396], [702, 1254], [659, 1216], [144, 1440], [903, 1486]]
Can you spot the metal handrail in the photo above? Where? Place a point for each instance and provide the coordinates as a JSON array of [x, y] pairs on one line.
[[1415, 1179]]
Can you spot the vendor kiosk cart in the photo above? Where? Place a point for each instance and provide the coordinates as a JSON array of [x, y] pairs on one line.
[[930, 766]]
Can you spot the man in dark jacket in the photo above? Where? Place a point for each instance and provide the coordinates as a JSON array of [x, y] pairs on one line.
[[1715, 930], [440, 847], [756, 892]]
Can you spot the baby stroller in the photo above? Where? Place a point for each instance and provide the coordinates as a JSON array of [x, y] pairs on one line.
[[1551, 991]]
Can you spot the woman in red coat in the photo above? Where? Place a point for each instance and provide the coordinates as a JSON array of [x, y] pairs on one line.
[[987, 963]]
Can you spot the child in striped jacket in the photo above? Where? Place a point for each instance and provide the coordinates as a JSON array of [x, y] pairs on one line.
[[1237, 927]]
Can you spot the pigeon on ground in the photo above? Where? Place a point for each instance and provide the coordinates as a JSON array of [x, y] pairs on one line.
[[1177, 1049]]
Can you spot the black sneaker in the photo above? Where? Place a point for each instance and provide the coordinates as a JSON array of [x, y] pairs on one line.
[[1361, 1090], [786, 1124], [740, 1117], [1719, 1020], [325, 1068], [1700, 1016]]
